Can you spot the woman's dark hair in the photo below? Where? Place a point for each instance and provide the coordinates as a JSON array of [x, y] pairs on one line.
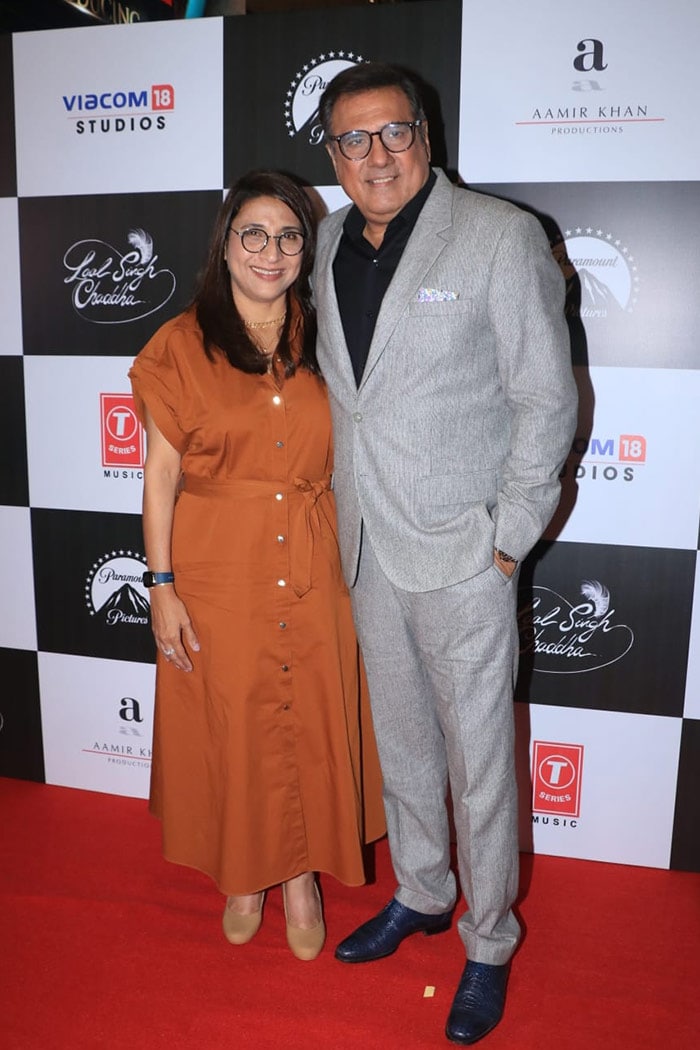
[[217, 315], [369, 76]]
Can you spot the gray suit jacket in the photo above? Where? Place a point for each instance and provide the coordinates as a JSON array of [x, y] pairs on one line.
[[453, 442]]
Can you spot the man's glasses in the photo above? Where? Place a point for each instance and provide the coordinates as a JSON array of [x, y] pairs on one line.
[[396, 137], [255, 240]]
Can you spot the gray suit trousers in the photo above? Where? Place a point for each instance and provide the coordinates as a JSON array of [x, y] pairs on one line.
[[441, 669]]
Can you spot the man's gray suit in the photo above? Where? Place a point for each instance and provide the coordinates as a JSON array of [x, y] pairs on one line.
[[450, 446]]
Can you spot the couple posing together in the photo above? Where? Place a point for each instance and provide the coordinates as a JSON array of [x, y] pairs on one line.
[[430, 399]]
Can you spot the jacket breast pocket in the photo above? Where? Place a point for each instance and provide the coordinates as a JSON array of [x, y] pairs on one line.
[[446, 308]]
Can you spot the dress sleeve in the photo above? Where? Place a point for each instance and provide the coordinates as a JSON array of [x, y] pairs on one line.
[[158, 380]]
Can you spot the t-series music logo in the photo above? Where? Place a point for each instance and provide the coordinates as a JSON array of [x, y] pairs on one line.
[[122, 437], [109, 112], [606, 459], [556, 782]]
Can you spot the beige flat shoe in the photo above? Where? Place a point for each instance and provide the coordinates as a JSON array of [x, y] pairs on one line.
[[239, 929], [305, 944]]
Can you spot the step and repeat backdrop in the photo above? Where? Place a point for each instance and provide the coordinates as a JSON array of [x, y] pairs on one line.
[[116, 144]]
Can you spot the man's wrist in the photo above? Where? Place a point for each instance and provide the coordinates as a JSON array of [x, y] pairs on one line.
[[503, 556]]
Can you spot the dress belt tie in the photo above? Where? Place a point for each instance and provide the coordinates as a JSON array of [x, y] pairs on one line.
[[304, 514]]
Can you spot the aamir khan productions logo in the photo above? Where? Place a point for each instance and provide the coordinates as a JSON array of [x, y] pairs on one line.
[[610, 459], [114, 591], [122, 111], [113, 287], [573, 637], [120, 752], [556, 778], [593, 112], [305, 90], [122, 433], [601, 273]]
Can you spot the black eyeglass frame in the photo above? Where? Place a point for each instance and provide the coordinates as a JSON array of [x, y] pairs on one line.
[[268, 237], [412, 124]]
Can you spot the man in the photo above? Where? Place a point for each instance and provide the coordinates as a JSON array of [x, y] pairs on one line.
[[443, 344]]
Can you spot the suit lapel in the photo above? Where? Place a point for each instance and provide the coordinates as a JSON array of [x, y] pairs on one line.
[[429, 236], [338, 355]]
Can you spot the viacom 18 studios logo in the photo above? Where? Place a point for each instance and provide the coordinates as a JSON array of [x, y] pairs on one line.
[[593, 113], [122, 436], [556, 781], [611, 459], [573, 637], [305, 90], [114, 591], [109, 286], [133, 752], [601, 273], [128, 110]]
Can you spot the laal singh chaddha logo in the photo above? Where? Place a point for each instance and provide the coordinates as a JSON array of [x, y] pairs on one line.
[[573, 637], [601, 273], [109, 286], [114, 591], [304, 94]]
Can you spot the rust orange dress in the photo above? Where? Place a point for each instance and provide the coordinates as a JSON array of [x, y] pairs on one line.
[[264, 761]]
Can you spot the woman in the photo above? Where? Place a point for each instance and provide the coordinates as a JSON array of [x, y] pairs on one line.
[[262, 737]]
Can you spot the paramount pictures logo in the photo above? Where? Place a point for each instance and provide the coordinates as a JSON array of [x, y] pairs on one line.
[[114, 591], [601, 273], [305, 90], [113, 287], [573, 637]]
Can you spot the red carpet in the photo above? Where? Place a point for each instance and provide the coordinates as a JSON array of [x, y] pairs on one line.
[[105, 945]]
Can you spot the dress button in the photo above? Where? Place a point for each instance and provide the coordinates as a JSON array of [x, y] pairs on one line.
[[280, 539], [277, 400], [282, 625], [285, 667], [278, 496], [357, 416], [285, 707], [281, 583], [280, 444]]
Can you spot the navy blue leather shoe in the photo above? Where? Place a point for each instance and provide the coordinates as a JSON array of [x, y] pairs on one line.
[[478, 1003], [382, 935]]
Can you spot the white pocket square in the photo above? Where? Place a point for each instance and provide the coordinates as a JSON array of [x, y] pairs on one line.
[[436, 295]]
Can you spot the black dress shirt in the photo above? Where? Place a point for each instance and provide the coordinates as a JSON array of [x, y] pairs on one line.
[[362, 273]]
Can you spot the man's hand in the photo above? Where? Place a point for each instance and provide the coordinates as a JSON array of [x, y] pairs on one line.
[[505, 563]]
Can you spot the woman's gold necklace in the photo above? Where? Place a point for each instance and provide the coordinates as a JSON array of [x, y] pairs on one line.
[[266, 347], [266, 324]]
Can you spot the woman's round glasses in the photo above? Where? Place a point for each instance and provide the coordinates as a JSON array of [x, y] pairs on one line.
[[396, 137], [254, 240]]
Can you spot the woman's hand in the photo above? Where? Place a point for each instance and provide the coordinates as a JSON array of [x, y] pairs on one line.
[[172, 627], [171, 623]]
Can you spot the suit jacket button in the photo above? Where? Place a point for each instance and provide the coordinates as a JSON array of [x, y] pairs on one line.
[[357, 417]]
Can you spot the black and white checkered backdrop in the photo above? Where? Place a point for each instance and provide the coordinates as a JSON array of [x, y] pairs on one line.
[[115, 146]]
